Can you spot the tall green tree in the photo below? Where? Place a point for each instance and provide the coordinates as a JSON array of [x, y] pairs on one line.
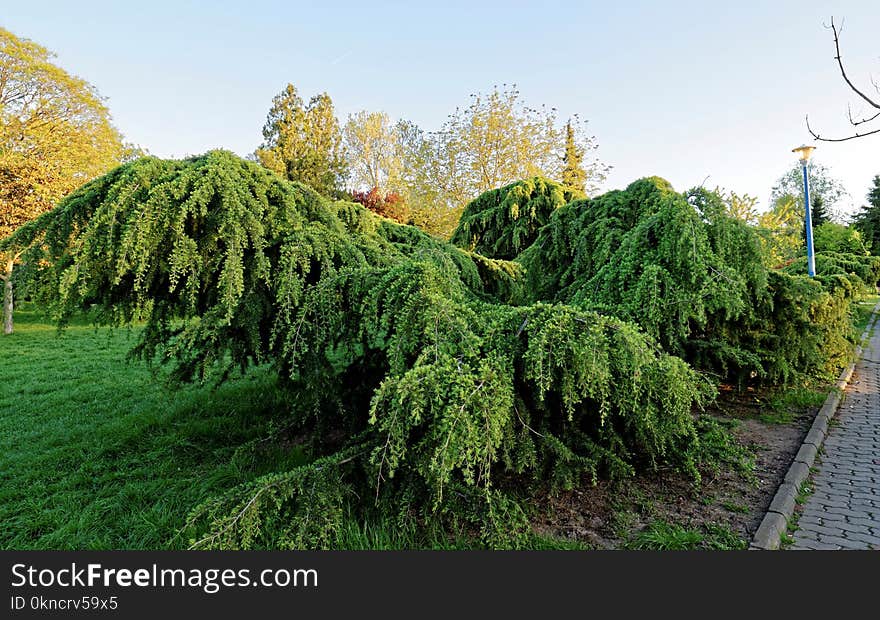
[[55, 134], [818, 213], [867, 221], [827, 193], [874, 192], [304, 142], [573, 174]]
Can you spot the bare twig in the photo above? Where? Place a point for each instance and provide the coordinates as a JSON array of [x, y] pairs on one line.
[[844, 139], [836, 30], [837, 57], [856, 123]]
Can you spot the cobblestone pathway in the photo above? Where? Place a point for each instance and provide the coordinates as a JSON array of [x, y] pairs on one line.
[[844, 510]]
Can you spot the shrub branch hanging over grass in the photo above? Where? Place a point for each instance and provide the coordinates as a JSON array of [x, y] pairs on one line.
[[423, 393]]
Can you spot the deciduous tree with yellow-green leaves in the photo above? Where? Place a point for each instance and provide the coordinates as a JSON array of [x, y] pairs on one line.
[[55, 134], [496, 140], [372, 152]]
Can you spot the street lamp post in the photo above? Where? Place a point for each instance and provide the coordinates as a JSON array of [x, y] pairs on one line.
[[805, 152]]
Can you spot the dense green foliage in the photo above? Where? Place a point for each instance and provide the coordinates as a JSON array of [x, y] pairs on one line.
[[503, 222], [837, 238], [694, 278], [867, 220], [412, 380], [430, 383], [303, 142], [682, 269]]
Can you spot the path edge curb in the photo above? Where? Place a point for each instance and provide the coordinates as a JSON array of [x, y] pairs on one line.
[[775, 522]]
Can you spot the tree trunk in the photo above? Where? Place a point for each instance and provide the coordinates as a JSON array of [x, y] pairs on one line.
[[7, 298]]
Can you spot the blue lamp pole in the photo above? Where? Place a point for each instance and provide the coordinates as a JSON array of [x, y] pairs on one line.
[[805, 152]]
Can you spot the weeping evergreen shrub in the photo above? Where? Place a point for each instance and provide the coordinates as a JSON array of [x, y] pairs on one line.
[[424, 393], [676, 265], [432, 381], [692, 277], [503, 222], [862, 271]]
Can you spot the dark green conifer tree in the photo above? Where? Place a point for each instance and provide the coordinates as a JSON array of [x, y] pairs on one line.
[[818, 213], [867, 221]]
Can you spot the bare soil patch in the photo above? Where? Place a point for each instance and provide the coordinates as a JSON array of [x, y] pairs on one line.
[[724, 510]]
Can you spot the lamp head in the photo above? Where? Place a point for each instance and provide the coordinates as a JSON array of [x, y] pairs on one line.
[[804, 152]]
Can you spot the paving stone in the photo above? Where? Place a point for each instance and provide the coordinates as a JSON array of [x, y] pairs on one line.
[[822, 530], [832, 503], [867, 539], [831, 519], [841, 542], [851, 528], [818, 546], [832, 494], [843, 512], [870, 497], [863, 508], [806, 536], [869, 523]]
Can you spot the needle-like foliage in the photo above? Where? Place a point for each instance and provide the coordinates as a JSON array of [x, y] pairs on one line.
[[419, 387]]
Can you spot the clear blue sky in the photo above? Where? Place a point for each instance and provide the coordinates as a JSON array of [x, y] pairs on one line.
[[683, 90]]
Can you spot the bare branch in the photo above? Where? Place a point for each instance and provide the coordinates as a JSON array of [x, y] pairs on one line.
[[854, 122], [839, 60], [852, 137], [865, 120]]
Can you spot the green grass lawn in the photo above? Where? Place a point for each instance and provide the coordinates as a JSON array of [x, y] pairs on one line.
[[97, 453], [862, 312]]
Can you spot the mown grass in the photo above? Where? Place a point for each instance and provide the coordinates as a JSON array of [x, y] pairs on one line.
[[781, 406], [382, 533], [96, 453], [862, 312], [664, 536]]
